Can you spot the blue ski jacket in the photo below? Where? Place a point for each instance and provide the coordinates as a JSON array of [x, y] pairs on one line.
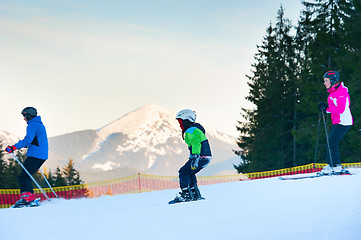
[[36, 139]]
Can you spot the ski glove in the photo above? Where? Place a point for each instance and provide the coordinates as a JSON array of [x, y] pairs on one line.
[[194, 161], [10, 149], [322, 107]]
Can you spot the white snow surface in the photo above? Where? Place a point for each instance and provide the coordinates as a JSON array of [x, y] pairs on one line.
[[323, 208]]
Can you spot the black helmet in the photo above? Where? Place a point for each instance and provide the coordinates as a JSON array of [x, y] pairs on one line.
[[333, 76], [29, 112]]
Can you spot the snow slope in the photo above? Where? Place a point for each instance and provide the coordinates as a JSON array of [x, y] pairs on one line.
[[321, 208]]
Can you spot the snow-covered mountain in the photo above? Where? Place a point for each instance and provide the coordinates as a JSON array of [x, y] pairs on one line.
[[7, 138], [147, 140]]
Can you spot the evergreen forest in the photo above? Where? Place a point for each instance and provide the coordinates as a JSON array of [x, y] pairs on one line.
[[10, 170], [285, 128]]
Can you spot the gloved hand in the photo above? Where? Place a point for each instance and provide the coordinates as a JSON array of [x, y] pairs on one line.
[[10, 149], [194, 161], [322, 107]]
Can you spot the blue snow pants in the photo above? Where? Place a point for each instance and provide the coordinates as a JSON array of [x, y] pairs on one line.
[[187, 176], [334, 137]]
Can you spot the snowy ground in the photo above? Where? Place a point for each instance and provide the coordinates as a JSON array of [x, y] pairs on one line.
[[323, 208]]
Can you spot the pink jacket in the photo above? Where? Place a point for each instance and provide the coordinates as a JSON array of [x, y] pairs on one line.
[[339, 105]]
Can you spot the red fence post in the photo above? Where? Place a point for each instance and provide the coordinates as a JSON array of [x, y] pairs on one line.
[[139, 183]]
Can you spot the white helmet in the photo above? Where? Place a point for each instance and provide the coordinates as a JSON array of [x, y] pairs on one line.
[[187, 114]]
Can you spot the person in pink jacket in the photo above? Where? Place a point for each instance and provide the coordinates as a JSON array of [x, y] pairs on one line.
[[338, 104]]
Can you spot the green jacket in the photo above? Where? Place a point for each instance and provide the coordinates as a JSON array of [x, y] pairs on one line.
[[197, 141]]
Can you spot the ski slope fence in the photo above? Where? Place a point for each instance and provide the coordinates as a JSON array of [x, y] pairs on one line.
[[145, 183]]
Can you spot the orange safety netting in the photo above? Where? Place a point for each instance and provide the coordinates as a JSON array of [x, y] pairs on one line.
[[145, 183]]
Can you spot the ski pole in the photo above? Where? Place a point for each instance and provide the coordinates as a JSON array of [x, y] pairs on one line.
[[328, 143], [318, 134], [30, 176], [48, 183]]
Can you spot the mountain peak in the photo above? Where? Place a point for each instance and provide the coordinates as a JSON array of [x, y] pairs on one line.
[[140, 118]]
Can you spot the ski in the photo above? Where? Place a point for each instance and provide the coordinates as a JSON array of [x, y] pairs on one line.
[[177, 201], [298, 177], [34, 203], [318, 174]]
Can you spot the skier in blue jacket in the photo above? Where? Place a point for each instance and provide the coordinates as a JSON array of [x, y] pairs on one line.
[[36, 141]]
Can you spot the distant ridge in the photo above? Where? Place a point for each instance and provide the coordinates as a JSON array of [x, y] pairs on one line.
[[146, 140]]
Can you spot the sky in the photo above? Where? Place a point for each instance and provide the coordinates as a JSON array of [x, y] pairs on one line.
[[83, 64]]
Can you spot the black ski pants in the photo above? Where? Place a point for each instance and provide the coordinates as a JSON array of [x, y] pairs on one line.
[[334, 138], [187, 176], [32, 165]]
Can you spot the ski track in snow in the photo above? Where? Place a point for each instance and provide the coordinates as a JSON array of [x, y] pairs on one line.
[[324, 208]]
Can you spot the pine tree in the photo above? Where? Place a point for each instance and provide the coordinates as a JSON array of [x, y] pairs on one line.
[[58, 179], [250, 130], [50, 177], [72, 176], [2, 167], [266, 141], [12, 172]]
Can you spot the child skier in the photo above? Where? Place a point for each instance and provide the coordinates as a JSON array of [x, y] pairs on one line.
[[338, 104], [200, 155], [36, 141]]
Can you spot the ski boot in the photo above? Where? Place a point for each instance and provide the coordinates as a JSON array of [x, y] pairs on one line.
[[27, 199], [196, 193], [184, 196], [337, 170], [327, 170]]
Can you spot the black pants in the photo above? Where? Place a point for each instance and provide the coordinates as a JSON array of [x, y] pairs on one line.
[[32, 165], [187, 176], [335, 136]]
